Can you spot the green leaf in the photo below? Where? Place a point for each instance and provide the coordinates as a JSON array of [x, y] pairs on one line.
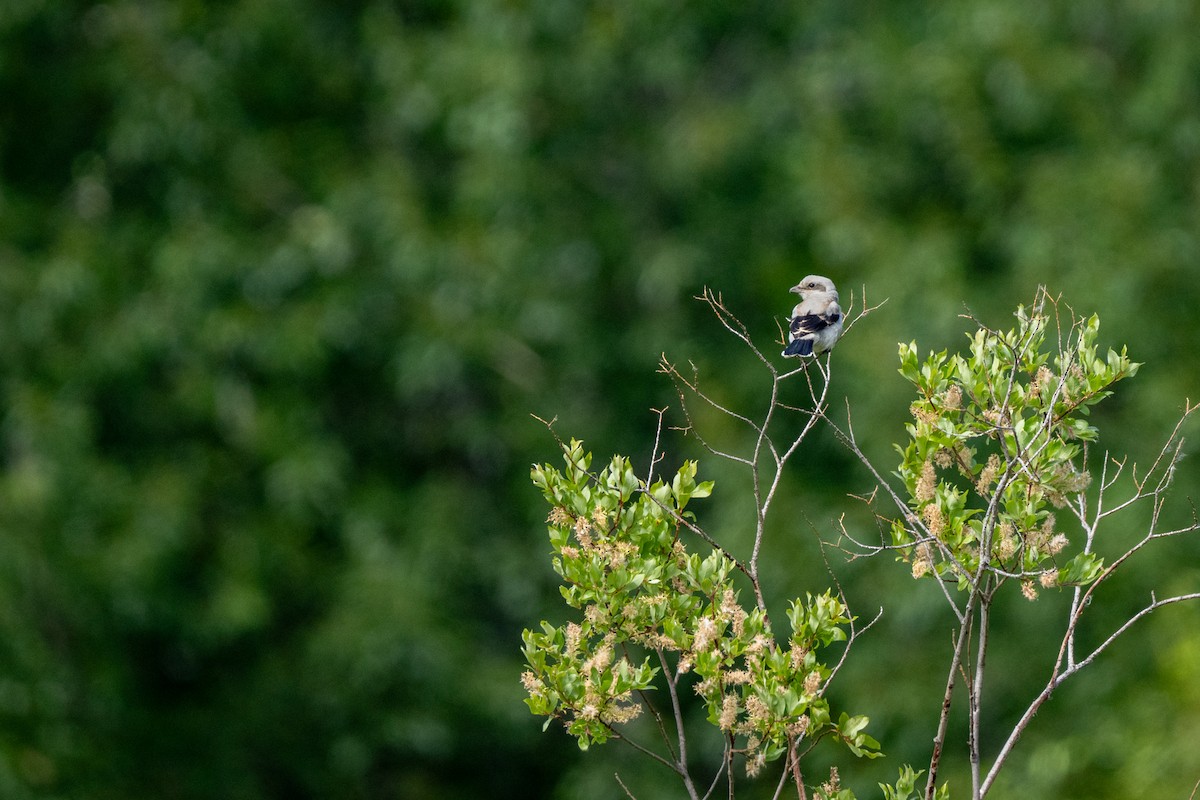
[[1081, 570]]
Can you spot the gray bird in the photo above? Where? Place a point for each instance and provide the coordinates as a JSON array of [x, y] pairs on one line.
[[816, 320]]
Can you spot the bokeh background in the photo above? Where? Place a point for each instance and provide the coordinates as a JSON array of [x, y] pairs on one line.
[[282, 282]]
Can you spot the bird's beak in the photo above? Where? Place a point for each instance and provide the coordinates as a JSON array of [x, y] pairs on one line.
[[796, 289]]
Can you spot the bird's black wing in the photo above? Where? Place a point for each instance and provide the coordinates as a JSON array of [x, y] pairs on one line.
[[812, 323]]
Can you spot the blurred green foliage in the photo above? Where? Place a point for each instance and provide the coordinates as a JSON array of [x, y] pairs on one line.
[[281, 281]]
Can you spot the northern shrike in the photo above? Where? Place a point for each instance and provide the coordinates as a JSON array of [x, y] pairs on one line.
[[816, 320]]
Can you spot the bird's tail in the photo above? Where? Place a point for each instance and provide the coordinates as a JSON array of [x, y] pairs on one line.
[[799, 347]]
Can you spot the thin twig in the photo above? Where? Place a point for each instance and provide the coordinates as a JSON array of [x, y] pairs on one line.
[[726, 769], [800, 793], [646, 751], [975, 690], [681, 760], [655, 455], [939, 739]]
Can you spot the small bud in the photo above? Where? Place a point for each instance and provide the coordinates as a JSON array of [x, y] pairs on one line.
[[934, 520], [1041, 381], [729, 712], [922, 560], [922, 413], [830, 788], [798, 655], [987, 475], [798, 728], [706, 632], [574, 633], [532, 683], [757, 709], [926, 485], [737, 677], [952, 399]]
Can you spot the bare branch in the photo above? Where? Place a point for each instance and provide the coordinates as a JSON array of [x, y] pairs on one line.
[[1058, 678], [939, 739], [853, 319], [681, 761], [644, 696], [767, 459], [1067, 664], [795, 765], [1154, 606], [733, 324]]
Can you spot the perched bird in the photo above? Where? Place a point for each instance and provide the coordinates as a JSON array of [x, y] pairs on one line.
[[816, 320]]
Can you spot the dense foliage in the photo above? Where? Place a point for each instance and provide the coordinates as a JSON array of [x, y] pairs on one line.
[[996, 446], [280, 282], [624, 564]]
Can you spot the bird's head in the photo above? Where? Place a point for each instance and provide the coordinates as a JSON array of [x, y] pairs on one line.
[[814, 283]]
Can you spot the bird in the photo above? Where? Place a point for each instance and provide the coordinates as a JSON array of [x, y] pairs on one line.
[[816, 322]]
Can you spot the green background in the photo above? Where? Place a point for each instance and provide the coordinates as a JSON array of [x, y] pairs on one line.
[[282, 282]]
